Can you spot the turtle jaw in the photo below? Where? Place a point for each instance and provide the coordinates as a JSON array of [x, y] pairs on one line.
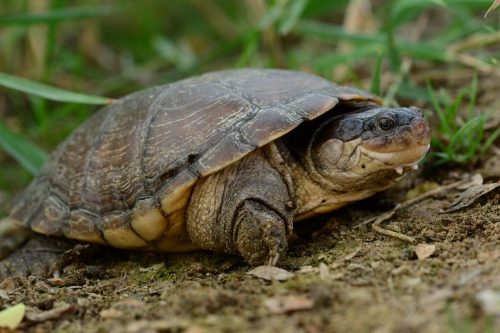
[[404, 149], [399, 160]]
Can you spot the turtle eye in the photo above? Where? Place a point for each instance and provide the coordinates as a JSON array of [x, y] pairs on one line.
[[386, 124]]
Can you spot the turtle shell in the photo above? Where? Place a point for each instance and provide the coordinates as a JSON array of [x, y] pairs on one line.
[[125, 176]]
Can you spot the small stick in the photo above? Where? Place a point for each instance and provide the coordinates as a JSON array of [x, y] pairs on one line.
[[377, 228], [378, 220]]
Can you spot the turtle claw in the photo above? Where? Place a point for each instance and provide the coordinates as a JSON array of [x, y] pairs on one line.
[[260, 234]]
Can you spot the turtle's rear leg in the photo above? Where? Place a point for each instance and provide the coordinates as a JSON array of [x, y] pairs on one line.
[[40, 255]]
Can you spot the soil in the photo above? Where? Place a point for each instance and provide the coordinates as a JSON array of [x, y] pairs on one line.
[[346, 278]]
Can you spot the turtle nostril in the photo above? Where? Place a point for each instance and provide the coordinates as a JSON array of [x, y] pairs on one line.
[[420, 130], [418, 126]]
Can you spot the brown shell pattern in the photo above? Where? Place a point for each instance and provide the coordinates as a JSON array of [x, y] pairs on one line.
[[136, 160]]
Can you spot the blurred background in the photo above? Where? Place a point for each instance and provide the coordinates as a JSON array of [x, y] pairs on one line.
[[441, 55]]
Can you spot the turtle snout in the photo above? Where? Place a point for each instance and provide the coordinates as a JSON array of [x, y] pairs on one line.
[[420, 130]]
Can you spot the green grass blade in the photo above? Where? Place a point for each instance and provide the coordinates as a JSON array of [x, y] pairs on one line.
[[377, 73], [332, 59], [401, 8], [250, 48], [21, 149], [474, 138], [48, 92], [451, 111], [56, 15], [412, 91], [489, 142], [443, 124], [465, 142], [292, 16], [393, 52], [332, 32]]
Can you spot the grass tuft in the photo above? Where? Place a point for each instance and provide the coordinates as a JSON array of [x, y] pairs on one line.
[[460, 138]]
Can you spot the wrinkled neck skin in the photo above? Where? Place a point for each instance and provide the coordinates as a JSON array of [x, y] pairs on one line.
[[312, 194], [348, 157]]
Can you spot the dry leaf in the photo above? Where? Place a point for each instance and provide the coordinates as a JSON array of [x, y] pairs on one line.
[[13, 316], [285, 304], [424, 251], [61, 309], [470, 196], [271, 273]]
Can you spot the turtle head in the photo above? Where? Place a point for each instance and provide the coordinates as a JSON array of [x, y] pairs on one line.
[[368, 149]]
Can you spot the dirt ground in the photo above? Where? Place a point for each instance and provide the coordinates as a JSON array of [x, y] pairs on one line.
[[346, 278]]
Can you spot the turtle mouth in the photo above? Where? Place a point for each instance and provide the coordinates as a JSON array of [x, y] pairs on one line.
[[399, 159], [404, 149]]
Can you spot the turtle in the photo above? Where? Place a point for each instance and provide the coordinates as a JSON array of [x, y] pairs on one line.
[[226, 162]]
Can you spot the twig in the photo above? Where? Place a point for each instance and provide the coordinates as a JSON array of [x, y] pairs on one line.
[[378, 220]]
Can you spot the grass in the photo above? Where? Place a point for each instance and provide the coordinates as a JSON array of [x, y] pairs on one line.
[[116, 48], [48, 92], [460, 139]]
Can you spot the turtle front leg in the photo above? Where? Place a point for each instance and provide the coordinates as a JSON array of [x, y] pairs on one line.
[[260, 234], [243, 209]]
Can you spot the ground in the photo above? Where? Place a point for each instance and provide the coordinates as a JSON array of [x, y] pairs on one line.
[[346, 278], [339, 275]]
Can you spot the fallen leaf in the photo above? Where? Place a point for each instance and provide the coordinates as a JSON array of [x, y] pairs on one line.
[[271, 273], [4, 295], [490, 302], [12, 316], [286, 304], [110, 314], [470, 196], [61, 309], [424, 251]]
